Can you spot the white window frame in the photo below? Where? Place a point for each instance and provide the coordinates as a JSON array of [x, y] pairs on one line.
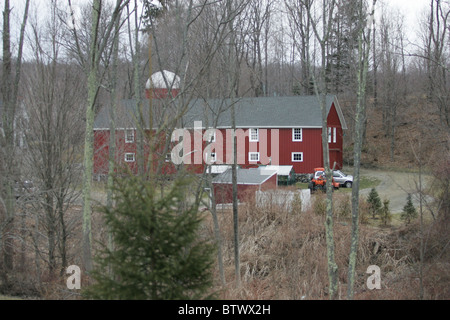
[[294, 154], [129, 138], [334, 135], [130, 154], [329, 134], [250, 154], [251, 133], [293, 135]]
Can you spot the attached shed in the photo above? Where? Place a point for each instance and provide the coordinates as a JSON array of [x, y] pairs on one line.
[[248, 182], [286, 174]]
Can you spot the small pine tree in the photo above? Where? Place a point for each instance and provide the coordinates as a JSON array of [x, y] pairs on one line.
[[157, 254], [385, 213], [374, 202], [409, 211]]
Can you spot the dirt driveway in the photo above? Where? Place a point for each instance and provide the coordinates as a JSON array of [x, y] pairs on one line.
[[395, 187]]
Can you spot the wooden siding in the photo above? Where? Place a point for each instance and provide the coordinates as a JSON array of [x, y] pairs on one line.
[[224, 192], [310, 146]]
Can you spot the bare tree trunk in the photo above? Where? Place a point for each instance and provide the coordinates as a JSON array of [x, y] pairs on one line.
[[10, 88], [93, 88], [320, 87], [360, 121], [232, 82]]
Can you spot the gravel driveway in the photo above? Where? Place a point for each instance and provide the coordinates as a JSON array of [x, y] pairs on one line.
[[395, 187]]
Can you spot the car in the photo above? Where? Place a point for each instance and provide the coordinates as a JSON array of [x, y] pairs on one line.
[[343, 179]]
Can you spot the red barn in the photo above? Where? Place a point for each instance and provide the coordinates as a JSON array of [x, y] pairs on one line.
[[269, 131]]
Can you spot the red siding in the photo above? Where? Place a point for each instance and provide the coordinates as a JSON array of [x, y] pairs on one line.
[[224, 192], [310, 146], [336, 145]]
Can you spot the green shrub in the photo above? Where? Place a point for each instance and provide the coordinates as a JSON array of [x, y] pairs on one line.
[[409, 211], [157, 253], [374, 202]]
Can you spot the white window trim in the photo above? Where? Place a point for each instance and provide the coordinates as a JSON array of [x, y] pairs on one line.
[[334, 135], [250, 156], [293, 135], [250, 135], [128, 154], [293, 154], [127, 140], [329, 134]]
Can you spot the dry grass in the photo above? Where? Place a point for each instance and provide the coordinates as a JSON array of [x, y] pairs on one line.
[[283, 256]]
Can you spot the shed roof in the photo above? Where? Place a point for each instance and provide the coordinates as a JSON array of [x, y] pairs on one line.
[[252, 176], [280, 170]]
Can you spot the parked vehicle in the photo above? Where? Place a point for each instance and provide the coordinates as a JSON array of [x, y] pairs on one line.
[[318, 181], [343, 179]]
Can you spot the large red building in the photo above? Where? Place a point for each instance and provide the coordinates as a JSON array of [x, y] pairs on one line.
[[269, 130]]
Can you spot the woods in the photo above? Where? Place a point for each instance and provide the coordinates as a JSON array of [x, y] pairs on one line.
[[64, 61]]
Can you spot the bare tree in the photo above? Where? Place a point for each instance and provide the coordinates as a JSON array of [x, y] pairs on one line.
[[97, 48], [301, 23], [436, 53], [363, 65], [52, 136], [8, 170], [322, 30]]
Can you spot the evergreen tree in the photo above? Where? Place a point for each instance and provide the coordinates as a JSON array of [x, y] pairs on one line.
[[157, 253], [409, 211], [374, 202]]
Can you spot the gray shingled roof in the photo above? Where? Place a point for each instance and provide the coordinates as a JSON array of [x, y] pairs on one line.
[[262, 112], [252, 176]]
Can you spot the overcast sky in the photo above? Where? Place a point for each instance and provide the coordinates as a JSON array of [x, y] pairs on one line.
[[411, 10]]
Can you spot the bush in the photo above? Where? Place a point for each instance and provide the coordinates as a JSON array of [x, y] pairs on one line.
[[385, 213], [343, 207], [320, 205], [374, 202]]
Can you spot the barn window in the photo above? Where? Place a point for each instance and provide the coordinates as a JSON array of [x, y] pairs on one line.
[[334, 135], [168, 157], [297, 134], [130, 157], [254, 135], [329, 135], [253, 156], [297, 156], [129, 136]]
